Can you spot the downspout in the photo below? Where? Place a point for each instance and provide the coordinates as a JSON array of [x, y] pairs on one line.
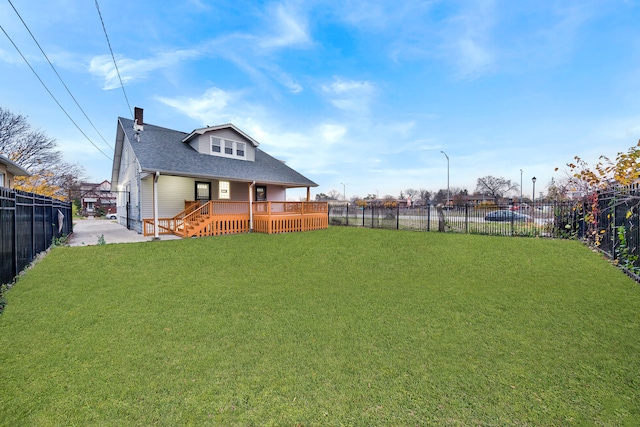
[[251, 205], [155, 205]]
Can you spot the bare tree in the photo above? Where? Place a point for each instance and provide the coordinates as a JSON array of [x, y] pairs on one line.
[[334, 195], [424, 196], [36, 152], [495, 188]]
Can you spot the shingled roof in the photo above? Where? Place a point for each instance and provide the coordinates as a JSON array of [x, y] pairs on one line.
[[161, 150]]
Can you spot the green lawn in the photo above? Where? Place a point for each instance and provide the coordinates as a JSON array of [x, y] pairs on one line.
[[344, 326]]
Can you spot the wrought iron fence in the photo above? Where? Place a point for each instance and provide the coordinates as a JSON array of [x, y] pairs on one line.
[[551, 220], [614, 225], [28, 225]]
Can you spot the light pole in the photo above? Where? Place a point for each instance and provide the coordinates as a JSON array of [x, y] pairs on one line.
[[344, 191], [520, 188], [445, 154], [533, 196]]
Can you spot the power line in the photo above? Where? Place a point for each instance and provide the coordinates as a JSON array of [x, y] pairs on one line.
[[51, 94], [114, 59], [56, 71]]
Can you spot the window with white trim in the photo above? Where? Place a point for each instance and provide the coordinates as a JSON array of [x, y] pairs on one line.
[[224, 190], [1, 179], [215, 145], [228, 148]]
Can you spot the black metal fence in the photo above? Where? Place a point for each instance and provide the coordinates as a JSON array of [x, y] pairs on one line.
[[614, 225], [29, 223], [551, 220]]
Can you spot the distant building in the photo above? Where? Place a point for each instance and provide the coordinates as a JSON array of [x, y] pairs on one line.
[[97, 198]]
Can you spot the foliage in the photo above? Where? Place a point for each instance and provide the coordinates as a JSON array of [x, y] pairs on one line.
[[321, 197], [625, 258], [38, 154], [624, 171], [344, 326], [59, 241], [389, 202], [606, 174], [101, 240]]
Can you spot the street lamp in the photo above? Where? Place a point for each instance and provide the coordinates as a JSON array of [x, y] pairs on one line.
[[445, 154], [344, 191], [520, 188], [533, 197]]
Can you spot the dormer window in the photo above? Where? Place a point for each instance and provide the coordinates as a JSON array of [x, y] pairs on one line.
[[227, 148]]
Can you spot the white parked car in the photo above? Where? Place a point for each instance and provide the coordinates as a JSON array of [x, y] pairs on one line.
[[111, 216]]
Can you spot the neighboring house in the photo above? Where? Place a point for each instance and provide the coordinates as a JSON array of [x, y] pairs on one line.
[[216, 175], [97, 198], [9, 170]]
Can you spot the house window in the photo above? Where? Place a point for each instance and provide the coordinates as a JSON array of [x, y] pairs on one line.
[[215, 145], [261, 193], [1, 179], [203, 191], [228, 148], [223, 190]]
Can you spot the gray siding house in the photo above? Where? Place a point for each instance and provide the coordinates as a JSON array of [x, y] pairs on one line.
[[159, 172]]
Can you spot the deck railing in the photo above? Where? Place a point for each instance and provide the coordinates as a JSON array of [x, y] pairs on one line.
[[288, 217], [215, 217]]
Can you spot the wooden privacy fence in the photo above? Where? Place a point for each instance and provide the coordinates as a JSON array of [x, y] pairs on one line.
[[28, 224]]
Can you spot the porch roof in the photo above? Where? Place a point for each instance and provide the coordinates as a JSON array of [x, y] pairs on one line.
[[162, 150]]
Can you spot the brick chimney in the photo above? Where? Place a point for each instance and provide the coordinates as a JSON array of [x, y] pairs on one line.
[[138, 123]]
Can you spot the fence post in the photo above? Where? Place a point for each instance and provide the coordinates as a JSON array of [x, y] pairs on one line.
[[466, 218], [372, 209], [398, 216], [347, 214]]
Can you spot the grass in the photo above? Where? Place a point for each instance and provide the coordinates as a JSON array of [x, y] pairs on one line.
[[343, 326]]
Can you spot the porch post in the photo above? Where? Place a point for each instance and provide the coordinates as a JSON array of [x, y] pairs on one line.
[[251, 205], [155, 204], [308, 194]]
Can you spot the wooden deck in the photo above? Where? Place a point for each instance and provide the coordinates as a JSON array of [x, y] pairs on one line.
[[218, 218]]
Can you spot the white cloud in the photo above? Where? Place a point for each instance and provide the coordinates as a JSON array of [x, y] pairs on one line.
[[289, 29], [350, 95], [332, 133], [134, 69], [466, 40], [210, 108]]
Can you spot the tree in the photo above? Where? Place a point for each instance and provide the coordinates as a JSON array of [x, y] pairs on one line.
[[606, 174], [496, 188], [334, 195], [424, 196], [37, 153], [624, 171]]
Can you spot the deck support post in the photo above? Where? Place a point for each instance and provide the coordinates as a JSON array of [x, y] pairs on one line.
[[155, 206]]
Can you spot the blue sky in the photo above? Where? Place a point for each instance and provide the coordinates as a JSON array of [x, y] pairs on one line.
[[366, 93]]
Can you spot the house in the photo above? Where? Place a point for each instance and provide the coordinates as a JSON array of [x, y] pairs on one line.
[[97, 198], [9, 170], [213, 180]]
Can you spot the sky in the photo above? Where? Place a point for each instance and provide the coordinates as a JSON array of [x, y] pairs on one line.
[[362, 97]]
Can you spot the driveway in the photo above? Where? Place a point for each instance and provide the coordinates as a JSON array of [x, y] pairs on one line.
[[87, 232]]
